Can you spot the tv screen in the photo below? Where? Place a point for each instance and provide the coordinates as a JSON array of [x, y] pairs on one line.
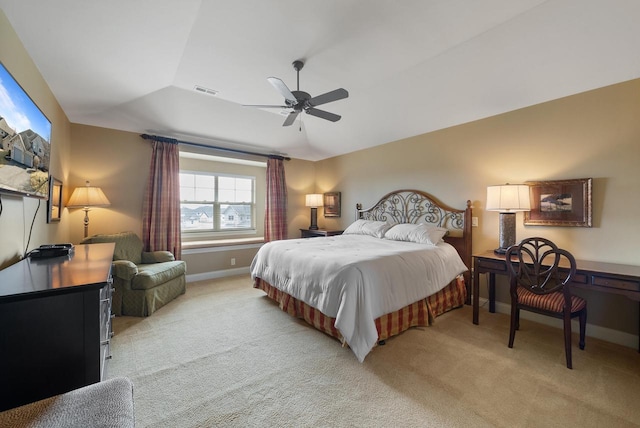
[[25, 133]]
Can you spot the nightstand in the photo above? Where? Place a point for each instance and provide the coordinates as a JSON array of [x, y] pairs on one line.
[[308, 233]]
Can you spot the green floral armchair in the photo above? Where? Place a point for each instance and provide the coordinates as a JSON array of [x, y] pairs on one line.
[[143, 281]]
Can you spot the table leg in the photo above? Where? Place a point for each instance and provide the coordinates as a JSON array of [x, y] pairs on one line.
[[476, 291], [492, 293]]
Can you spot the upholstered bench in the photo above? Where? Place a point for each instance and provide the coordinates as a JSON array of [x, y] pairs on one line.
[[100, 405]]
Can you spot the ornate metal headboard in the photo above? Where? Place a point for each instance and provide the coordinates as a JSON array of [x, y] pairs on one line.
[[415, 206]]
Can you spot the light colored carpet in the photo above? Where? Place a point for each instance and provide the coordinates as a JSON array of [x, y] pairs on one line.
[[225, 355]]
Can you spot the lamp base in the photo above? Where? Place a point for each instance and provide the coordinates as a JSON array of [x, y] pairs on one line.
[[314, 219], [507, 232]]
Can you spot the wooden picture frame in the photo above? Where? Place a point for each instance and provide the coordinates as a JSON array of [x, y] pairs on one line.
[[54, 204], [332, 204], [560, 203]]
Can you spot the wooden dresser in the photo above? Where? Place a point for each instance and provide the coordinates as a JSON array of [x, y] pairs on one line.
[[55, 324]]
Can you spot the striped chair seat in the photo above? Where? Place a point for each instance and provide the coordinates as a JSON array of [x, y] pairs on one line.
[[552, 302]]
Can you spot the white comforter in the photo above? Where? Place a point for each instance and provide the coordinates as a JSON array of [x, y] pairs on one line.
[[356, 279]]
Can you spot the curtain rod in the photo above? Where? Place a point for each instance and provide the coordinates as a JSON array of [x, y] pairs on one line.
[[187, 143]]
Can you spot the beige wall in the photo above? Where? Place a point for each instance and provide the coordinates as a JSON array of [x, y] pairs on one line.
[[18, 212], [594, 134], [118, 162], [300, 176]]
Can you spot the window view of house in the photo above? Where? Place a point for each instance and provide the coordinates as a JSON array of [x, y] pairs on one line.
[[216, 202]]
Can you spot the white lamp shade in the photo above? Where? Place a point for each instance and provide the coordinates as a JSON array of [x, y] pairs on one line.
[[508, 198], [88, 196], [314, 200]]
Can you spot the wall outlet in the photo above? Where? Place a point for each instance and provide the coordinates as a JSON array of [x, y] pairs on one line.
[[474, 221], [233, 262]]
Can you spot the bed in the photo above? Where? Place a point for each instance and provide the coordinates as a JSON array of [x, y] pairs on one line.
[[403, 262]]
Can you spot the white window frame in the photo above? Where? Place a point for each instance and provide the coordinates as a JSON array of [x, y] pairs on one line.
[[216, 204]]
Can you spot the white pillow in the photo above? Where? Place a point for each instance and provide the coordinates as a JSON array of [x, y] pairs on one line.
[[420, 233], [401, 232], [367, 227]]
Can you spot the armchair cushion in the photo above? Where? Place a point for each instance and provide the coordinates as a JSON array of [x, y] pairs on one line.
[[150, 276]]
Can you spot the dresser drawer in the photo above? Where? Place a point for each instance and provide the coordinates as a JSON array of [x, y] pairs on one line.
[[609, 282]]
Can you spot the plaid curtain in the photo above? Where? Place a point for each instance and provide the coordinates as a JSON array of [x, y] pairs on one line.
[[161, 207], [275, 217]]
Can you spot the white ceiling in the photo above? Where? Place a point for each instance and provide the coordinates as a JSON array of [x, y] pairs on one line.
[[410, 66]]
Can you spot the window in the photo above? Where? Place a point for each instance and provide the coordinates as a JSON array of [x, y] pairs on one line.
[[211, 202]]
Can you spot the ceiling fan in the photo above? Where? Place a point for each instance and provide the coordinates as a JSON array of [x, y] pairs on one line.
[[300, 101]]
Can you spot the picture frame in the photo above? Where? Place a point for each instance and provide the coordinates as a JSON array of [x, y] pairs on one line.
[[54, 204], [560, 203], [332, 204]]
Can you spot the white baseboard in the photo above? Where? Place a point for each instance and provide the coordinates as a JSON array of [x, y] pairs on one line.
[[595, 331], [217, 274]]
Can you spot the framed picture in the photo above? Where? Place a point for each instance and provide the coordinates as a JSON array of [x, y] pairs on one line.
[[560, 203], [55, 200], [332, 204]]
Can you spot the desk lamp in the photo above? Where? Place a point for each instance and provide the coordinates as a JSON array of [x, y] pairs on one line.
[[508, 199]]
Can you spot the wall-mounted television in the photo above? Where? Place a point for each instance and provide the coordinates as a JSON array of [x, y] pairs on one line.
[[25, 136]]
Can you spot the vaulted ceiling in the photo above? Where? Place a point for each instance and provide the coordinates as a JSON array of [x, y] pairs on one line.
[[410, 66]]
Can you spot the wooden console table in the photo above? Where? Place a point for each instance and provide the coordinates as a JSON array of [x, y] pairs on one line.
[[55, 324], [598, 276]]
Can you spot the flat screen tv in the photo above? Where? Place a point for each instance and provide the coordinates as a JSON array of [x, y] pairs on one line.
[[25, 133]]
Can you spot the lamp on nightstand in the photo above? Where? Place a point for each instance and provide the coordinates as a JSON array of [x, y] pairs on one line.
[[314, 201], [507, 199]]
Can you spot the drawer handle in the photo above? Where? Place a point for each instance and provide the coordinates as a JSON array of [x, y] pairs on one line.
[[105, 342]]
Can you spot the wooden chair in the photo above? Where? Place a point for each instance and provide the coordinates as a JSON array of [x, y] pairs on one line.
[[539, 281]]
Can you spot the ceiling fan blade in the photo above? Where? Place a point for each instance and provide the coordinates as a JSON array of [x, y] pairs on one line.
[[282, 89], [291, 118], [334, 95], [264, 106], [323, 114]]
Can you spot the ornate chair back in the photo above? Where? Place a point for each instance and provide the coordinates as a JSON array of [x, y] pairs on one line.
[[540, 274]]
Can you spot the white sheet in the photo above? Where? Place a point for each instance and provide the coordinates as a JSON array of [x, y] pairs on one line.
[[356, 279]]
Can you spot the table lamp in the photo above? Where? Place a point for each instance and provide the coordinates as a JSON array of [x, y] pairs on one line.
[[314, 201], [86, 197], [508, 199]]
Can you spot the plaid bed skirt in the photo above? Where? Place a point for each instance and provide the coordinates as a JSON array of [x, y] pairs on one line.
[[420, 313]]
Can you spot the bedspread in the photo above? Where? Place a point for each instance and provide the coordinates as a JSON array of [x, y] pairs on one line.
[[356, 279]]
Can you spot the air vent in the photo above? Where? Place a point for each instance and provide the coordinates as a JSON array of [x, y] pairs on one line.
[[205, 91]]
